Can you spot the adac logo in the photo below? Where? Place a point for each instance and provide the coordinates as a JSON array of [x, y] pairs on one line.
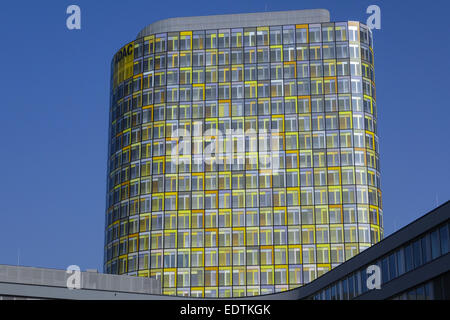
[[126, 51]]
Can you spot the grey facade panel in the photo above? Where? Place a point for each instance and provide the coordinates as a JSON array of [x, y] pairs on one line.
[[52, 278], [241, 20], [46, 292]]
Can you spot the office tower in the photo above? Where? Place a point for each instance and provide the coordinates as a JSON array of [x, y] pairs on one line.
[[243, 152]]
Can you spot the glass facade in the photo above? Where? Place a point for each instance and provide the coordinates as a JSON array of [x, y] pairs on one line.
[[436, 289], [242, 161], [414, 254]]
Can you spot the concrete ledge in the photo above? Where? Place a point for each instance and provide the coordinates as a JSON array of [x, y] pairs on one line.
[[57, 279]]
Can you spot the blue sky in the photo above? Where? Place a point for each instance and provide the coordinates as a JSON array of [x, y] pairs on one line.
[[55, 94]]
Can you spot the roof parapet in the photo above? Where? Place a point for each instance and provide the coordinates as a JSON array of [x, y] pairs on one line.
[[236, 21]]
